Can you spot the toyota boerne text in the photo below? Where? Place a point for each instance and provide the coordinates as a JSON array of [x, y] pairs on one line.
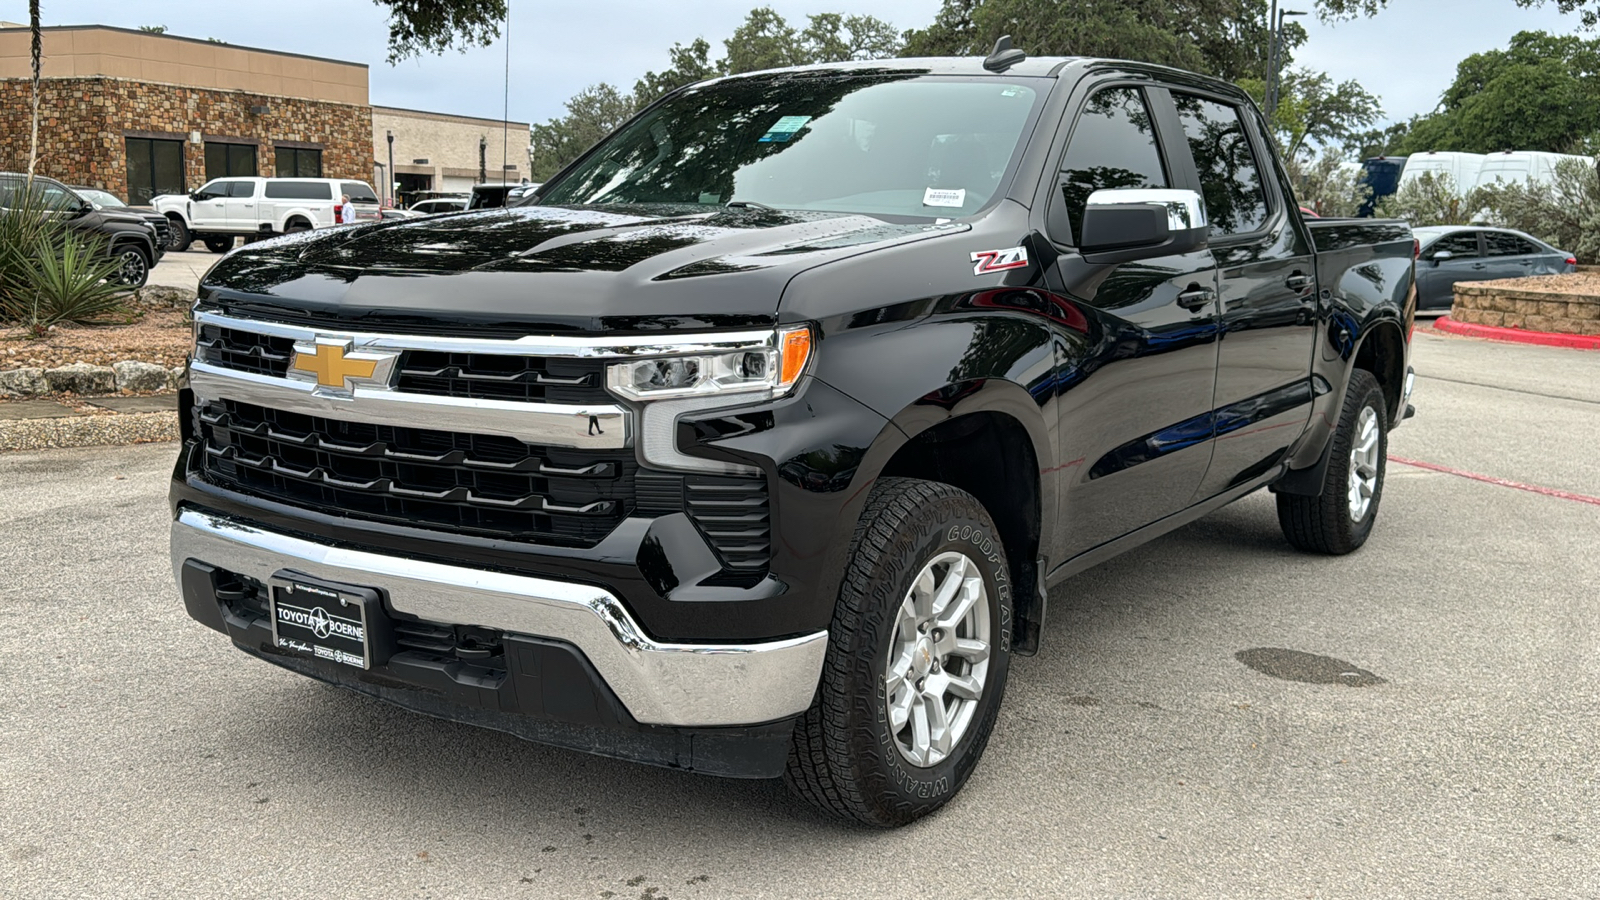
[[751, 442]]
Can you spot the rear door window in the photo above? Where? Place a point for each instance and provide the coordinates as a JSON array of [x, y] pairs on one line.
[[1459, 244], [299, 190], [1501, 244], [1113, 146], [1230, 179]]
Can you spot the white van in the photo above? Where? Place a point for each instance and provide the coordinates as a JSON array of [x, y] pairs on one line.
[[1519, 166], [1461, 167], [226, 208]]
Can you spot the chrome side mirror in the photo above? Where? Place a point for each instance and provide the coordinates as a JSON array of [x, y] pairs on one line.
[[1125, 224]]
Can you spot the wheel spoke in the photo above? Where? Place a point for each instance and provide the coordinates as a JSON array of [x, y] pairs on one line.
[[900, 710], [922, 594], [939, 739], [920, 739], [965, 686], [952, 615], [953, 581], [973, 651]]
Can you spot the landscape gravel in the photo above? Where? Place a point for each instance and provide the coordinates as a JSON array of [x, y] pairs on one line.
[[99, 427]]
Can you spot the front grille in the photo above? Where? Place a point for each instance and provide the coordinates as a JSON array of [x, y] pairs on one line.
[[469, 483], [163, 233], [475, 376], [244, 351], [448, 641], [488, 376]]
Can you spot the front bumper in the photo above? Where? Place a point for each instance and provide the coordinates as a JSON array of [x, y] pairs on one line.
[[655, 685]]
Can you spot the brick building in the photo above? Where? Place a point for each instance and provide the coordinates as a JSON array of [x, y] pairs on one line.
[[138, 114], [440, 152]]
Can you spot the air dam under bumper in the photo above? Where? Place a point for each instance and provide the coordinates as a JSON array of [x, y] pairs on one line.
[[659, 684]]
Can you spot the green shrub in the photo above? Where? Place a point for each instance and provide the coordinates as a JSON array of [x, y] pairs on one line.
[[1433, 199], [50, 273], [1565, 213]]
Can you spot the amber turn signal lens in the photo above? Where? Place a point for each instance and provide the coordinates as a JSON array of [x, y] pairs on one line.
[[796, 349]]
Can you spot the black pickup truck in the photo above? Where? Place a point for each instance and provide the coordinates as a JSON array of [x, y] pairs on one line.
[[752, 443]]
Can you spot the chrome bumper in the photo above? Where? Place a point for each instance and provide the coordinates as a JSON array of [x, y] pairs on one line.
[[660, 684]]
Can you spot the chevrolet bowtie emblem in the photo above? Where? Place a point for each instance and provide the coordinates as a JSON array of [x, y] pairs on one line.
[[331, 364]]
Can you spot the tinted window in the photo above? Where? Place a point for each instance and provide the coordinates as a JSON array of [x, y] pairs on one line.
[[57, 197], [241, 189], [212, 190], [154, 167], [225, 160], [897, 144], [1229, 176], [299, 190], [1113, 146], [1459, 244], [358, 191], [298, 162], [1502, 244]]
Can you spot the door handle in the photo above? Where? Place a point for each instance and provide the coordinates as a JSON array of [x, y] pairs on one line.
[[1195, 297], [1299, 281]]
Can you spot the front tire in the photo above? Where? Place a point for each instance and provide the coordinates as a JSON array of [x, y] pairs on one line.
[[133, 270], [180, 238], [1338, 520], [917, 659]]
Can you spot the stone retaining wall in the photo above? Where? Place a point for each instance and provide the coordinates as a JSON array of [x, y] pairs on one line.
[[1499, 304]]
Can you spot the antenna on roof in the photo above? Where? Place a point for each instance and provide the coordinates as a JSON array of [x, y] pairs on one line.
[[1003, 56]]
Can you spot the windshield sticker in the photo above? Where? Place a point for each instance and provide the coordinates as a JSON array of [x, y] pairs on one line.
[[986, 261], [784, 129], [944, 197]]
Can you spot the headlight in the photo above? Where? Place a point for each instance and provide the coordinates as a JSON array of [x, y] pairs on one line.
[[770, 367]]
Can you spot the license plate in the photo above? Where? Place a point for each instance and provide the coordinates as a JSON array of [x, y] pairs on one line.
[[323, 619]]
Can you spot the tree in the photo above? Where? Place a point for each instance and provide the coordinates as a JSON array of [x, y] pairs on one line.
[[434, 26], [1540, 93], [1327, 185], [1225, 38], [1333, 10], [36, 53], [1313, 110], [153, 29], [593, 113], [689, 64], [831, 37]]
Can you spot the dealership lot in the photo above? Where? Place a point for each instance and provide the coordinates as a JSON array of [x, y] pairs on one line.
[[1136, 756]]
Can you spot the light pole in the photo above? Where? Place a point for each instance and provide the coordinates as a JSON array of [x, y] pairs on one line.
[[389, 183], [483, 159], [1275, 52]]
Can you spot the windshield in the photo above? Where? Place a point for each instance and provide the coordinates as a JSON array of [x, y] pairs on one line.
[[885, 144], [100, 198]]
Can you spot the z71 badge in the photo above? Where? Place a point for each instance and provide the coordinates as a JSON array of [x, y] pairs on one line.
[[986, 261]]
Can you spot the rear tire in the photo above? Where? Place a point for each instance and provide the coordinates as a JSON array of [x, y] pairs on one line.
[[1338, 520], [917, 658], [180, 238], [133, 269], [218, 243]]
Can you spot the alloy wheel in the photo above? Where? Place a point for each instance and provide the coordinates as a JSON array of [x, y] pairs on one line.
[[938, 659], [1364, 463]]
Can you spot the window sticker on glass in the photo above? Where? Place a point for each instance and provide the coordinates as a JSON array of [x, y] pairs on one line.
[[955, 197], [784, 129]]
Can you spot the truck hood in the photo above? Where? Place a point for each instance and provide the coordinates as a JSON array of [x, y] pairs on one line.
[[553, 268]]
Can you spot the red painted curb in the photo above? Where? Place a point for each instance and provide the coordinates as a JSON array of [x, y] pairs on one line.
[[1502, 482], [1518, 335]]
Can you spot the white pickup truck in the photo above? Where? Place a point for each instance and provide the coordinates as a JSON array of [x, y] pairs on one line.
[[226, 208]]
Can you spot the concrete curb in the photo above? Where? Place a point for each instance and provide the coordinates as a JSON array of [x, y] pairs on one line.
[[1518, 335], [88, 431]]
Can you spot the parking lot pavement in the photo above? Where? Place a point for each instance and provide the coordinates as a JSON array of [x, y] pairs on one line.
[[1135, 756], [183, 269]]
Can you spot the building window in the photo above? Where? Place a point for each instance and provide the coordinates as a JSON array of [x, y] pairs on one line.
[[154, 167], [230, 161], [297, 162]]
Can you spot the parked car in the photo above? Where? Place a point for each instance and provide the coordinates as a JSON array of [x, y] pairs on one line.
[[125, 236], [439, 205], [252, 208], [759, 461], [1449, 254], [105, 200]]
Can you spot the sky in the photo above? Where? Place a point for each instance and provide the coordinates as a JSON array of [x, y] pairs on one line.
[[1406, 54]]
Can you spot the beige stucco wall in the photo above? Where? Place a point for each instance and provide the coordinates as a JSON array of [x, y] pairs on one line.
[[450, 145], [97, 50]]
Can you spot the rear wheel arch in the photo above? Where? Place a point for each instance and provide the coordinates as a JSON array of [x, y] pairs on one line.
[[1382, 352]]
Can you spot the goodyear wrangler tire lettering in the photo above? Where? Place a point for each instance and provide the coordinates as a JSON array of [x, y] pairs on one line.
[[854, 752]]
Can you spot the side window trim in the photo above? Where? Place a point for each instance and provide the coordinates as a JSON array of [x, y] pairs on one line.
[[1253, 134]]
